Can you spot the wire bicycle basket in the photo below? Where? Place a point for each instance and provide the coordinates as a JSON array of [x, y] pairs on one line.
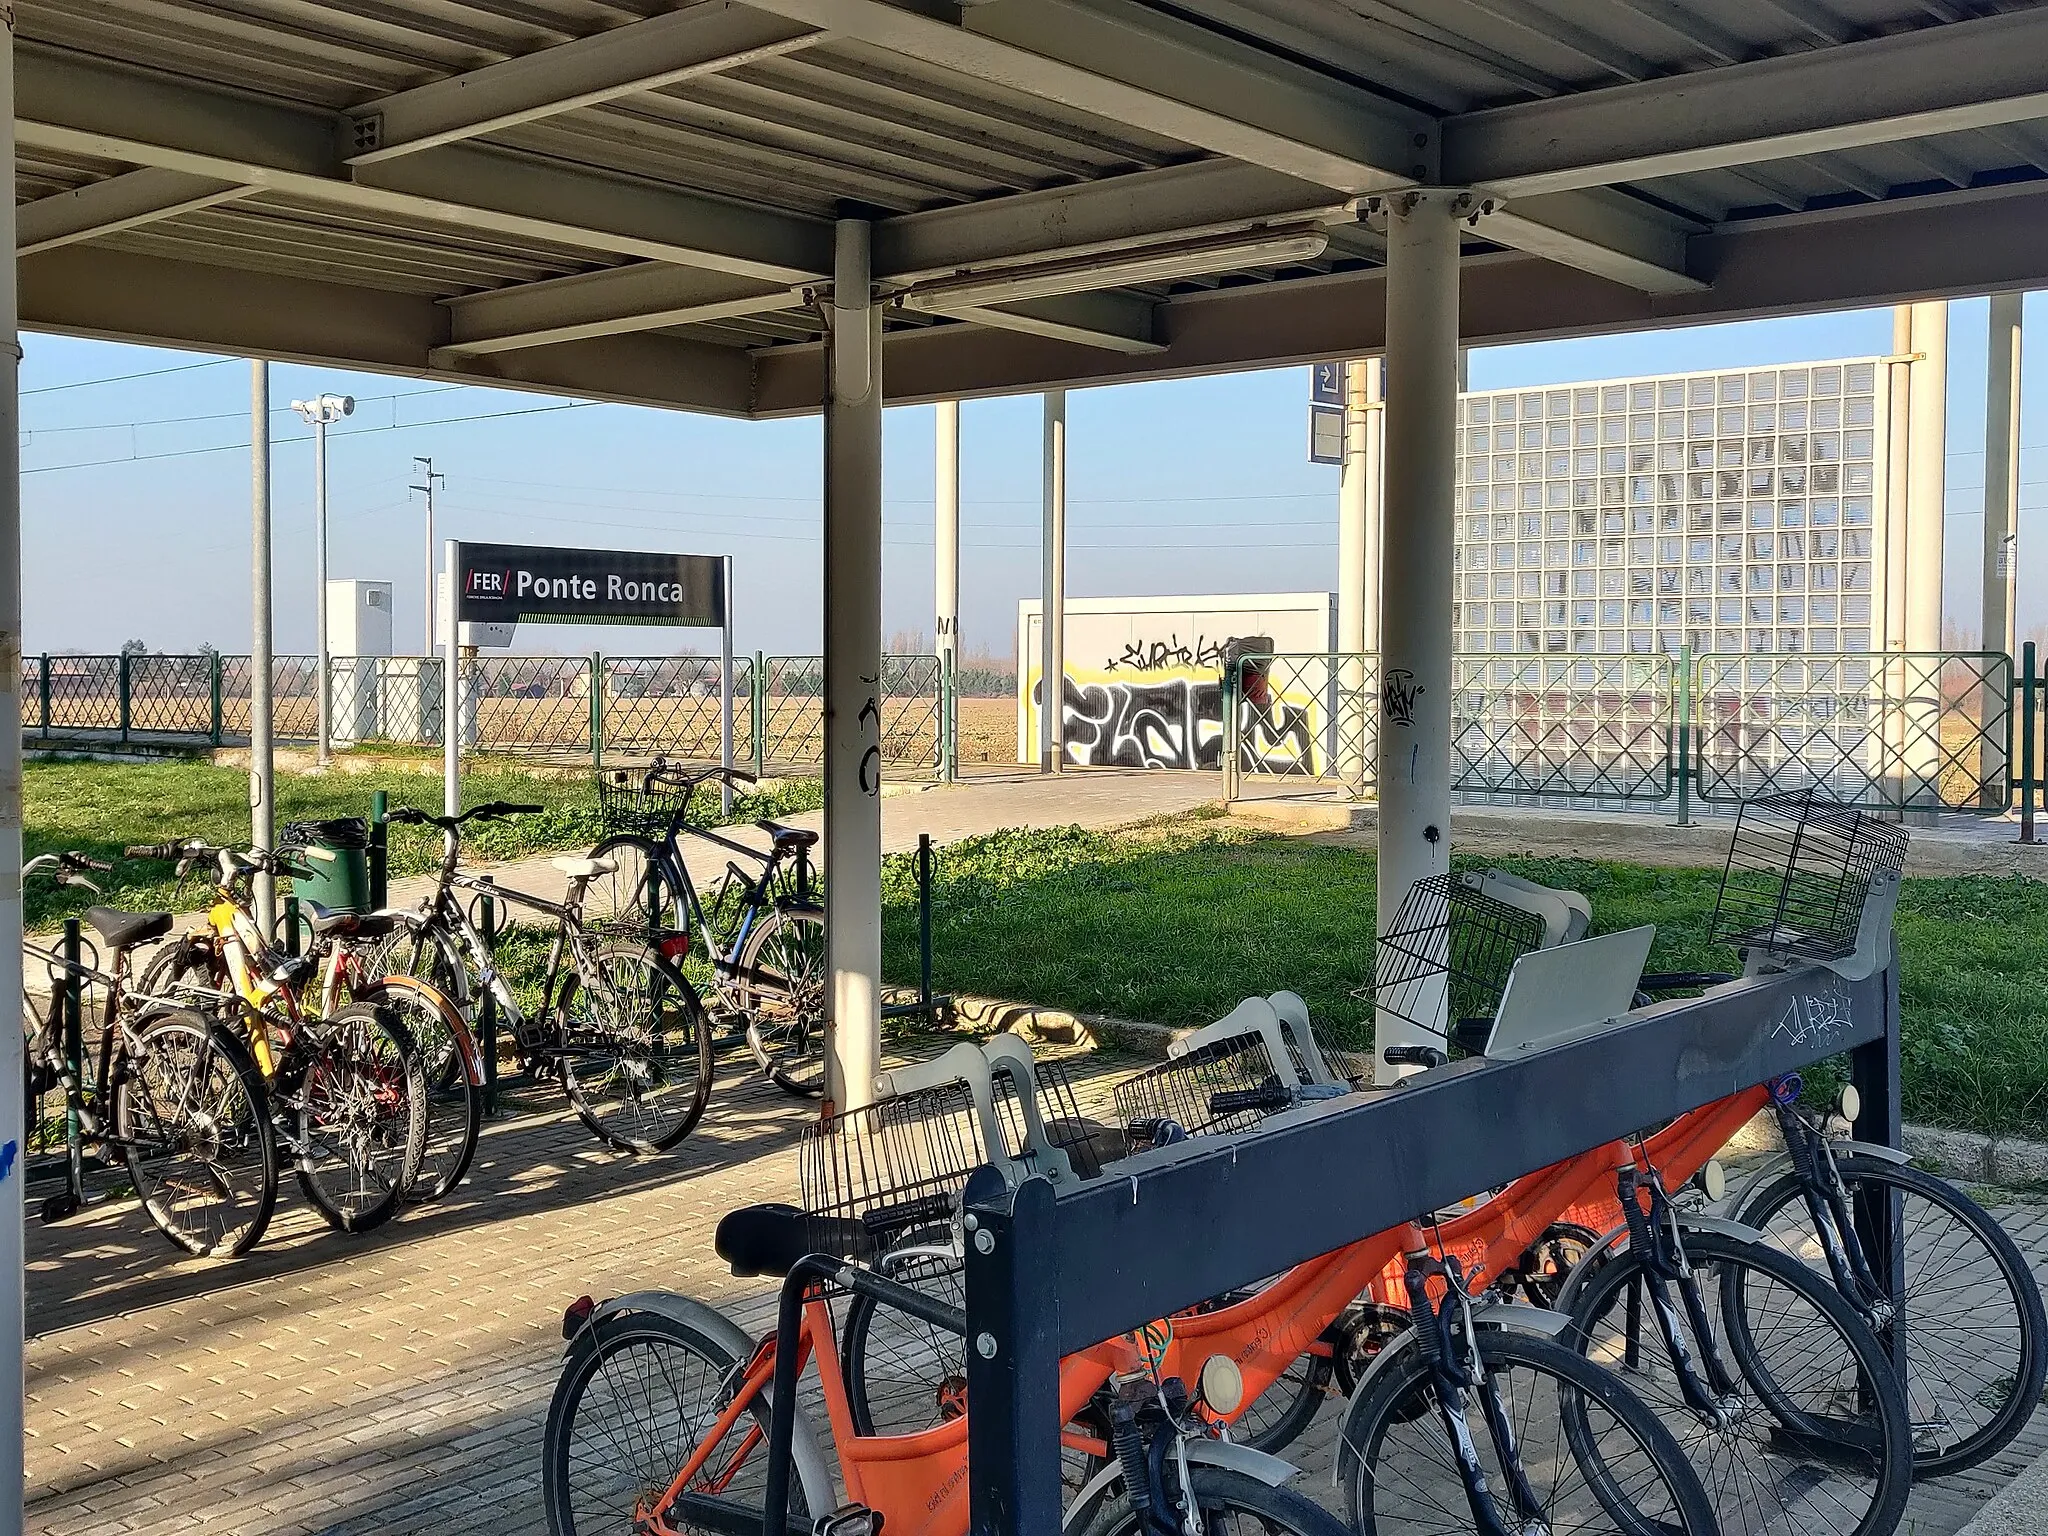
[[1443, 966], [626, 802], [1196, 1091], [1800, 870]]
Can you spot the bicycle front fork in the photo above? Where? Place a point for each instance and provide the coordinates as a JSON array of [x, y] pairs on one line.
[[1450, 1344]]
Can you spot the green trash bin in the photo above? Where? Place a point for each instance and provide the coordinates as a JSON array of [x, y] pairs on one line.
[[340, 883]]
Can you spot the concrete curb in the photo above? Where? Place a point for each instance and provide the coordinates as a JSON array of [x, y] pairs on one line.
[[2020, 1508], [1967, 1156]]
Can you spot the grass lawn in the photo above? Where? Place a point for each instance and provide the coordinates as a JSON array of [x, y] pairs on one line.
[[1176, 922], [100, 808]]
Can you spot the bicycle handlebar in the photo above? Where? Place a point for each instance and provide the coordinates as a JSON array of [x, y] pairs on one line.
[[80, 861], [678, 777], [1424, 1056], [1681, 981]]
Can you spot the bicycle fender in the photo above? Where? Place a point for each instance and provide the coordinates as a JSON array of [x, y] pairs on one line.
[[807, 1462], [434, 998], [1600, 1252], [1778, 1162], [1268, 1469]]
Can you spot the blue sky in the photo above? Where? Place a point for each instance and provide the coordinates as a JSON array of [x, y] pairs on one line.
[[136, 493]]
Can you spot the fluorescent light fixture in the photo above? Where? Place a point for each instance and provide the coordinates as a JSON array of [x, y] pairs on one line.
[[1118, 269]]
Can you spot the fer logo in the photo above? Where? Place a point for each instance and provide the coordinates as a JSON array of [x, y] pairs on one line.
[[488, 584]]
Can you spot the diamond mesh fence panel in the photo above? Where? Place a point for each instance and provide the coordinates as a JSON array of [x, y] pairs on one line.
[[669, 705], [85, 693], [793, 710], [386, 701], [32, 693], [1311, 716], [170, 695], [1928, 731], [294, 705], [1595, 726], [530, 704]]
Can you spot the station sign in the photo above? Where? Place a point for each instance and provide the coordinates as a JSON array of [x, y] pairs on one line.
[[1326, 384], [1325, 435], [535, 584]]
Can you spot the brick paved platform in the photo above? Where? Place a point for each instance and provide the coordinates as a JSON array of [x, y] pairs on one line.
[[397, 1383]]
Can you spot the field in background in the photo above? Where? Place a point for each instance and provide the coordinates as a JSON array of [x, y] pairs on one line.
[[988, 730]]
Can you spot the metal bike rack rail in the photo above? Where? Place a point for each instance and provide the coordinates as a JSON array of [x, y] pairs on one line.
[[1048, 1275]]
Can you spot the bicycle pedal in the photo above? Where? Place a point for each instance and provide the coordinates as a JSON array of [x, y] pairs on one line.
[[850, 1520]]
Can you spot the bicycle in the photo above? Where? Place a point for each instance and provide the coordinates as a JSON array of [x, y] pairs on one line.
[[618, 1025], [668, 1361], [189, 1115], [347, 1091], [337, 968], [763, 934]]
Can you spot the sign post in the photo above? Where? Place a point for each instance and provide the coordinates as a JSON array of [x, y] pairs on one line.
[[501, 585]]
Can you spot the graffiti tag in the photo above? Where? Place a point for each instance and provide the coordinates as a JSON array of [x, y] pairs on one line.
[[1400, 695], [1159, 655], [870, 720], [1817, 1019], [1178, 723]]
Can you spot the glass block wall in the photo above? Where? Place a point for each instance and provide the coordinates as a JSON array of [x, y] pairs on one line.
[[1732, 512]]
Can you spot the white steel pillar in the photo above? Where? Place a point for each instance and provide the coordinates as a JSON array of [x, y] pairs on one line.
[[946, 540], [1926, 476], [1889, 603], [853, 672], [1415, 586], [2002, 472], [1358, 577], [12, 1069], [262, 645], [1052, 624]]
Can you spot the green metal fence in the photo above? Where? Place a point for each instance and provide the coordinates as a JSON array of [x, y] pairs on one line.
[[1885, 731]]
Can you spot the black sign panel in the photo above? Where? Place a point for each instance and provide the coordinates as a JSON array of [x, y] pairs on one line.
[[528, 584]]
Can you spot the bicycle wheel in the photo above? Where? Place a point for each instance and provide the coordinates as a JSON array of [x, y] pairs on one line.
[[1974, 1368], [1595, 1457], [1814, 1439], [425, 951], [636, 1048], [193, 1121], [183, 966], [638, 1394], [782, 988], [360, 1113], [453, 1070], [637, 900], [904, 1374], [1227, 1503]]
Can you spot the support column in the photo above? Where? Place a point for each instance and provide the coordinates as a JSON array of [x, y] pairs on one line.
[[853, 672], [1358, 578], [1415, 586], [946, 540], [1052, 624], [1889, 605], [12, 1071], [262, 644], [2001, 471], [1926, 476]]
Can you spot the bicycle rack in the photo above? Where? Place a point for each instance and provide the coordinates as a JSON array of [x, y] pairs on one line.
[[1062, 1270]]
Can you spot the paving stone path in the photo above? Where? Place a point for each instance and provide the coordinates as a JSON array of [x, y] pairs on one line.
[[397, 1383]]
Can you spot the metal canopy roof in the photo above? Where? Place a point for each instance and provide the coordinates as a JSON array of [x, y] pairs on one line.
[[632, 199]]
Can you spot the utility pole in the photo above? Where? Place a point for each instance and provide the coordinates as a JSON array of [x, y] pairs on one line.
[[424, 468], [320, 413]]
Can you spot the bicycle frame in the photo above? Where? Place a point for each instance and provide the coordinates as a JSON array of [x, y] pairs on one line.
[[922, 1477], [725, 957]]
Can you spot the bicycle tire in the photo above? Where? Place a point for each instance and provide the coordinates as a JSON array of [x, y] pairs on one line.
[[667, 1381], [191, 1084], [646, 1033], [360, 1117], [903, 1374], [1948, 1374], [1397, 1414], [420, 948], [1821, 1444], [638, 900], [1220, 1494], [182, 964], [790, 1044], [452, 1068]]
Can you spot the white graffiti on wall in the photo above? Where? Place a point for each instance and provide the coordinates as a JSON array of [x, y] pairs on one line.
[[1177, 722]]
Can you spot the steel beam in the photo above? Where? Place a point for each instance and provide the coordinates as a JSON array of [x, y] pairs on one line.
[[124, 296], [646, 296], [1601, 231], [1151, 71], [1978, 73], [624, 61], [1115, 322], [1952, 244], [77, 106], [119, 202]]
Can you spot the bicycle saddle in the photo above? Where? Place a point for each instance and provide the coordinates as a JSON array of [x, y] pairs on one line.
[[584, 869], [787, 837], [769, 1239], [123, 930], [360, 925]]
